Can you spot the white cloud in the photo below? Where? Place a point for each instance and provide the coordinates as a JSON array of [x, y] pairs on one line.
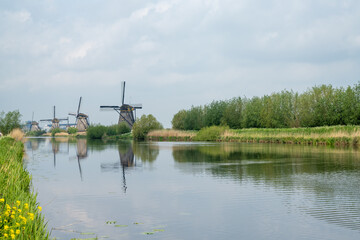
[[19, 16], [80, 52]]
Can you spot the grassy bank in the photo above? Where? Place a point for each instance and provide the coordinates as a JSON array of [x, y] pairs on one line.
[[334, 135], [20, 216]]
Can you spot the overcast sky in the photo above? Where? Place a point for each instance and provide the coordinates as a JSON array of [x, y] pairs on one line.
[[172, 54]]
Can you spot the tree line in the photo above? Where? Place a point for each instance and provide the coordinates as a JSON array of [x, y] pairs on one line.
[[318, 106]]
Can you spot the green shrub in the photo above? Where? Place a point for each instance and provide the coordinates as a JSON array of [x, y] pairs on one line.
[[144, 125], [111, 130], [123, 127], [55, 131], [212, 133], [96, 131], [72, 130], [36, 133]]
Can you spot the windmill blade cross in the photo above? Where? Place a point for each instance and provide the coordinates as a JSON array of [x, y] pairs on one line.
[[137, 106], [122, 92], [79, 106]]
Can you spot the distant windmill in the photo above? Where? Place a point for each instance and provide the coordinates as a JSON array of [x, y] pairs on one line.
[[55, 122], [126, 111], [82, 120], [34, 124]]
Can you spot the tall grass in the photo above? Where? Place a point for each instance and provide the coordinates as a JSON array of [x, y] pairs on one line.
[[171, 135], [333, 135], [20, 216]]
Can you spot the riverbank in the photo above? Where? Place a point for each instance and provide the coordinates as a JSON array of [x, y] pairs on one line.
[[19, 210], [334, 135]]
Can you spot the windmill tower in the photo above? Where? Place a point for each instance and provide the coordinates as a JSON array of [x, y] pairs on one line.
[[34, 124], [82, 120], [55, 122], [126, 111]]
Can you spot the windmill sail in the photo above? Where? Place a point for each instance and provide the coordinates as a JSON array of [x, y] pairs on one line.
[[122, 92], [125, 111]]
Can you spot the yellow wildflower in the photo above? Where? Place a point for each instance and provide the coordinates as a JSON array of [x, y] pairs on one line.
[[17, 232], [40, 208], [7, 206], [26, 206], [17, 224], [6, 227], [6, 235], [18, 203], [2, 200], [19, 210], [12, 216], [12, 236]]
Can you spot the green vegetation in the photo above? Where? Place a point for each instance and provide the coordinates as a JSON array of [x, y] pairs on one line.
[[123, 128], [121, 131], [144, 125], [96, 131], [72, 130], [36, 133], [212, 133], [333, 135], [56, 130], [9, 121], [19, 211], [319, 106]]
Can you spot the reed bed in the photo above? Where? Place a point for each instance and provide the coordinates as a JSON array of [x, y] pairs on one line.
[[334, 135], [171, 135], [20, 216]]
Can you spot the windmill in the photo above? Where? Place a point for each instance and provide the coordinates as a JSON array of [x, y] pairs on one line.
[[34, 124], [55, 122], [126, 111], [82, 120]]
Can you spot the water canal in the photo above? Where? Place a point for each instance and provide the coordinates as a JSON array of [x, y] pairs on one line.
[[176, 190]]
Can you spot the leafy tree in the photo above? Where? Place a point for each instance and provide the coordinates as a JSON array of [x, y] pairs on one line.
[[213, 113], [233, 113], [178, 121], [9, 121], [144, 125], [194, 119], [252, 112]]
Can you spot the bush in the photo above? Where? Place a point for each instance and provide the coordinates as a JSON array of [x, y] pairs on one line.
[[212, 133], [55, 131], [72, 130], [36, 133], [123, 128], [144, 125], [111, 130], [96, 131]]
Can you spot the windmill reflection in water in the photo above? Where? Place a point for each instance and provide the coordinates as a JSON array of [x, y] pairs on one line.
[[127, 160]]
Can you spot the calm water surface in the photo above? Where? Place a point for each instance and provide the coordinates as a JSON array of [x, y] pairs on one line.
[[168, 190]]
